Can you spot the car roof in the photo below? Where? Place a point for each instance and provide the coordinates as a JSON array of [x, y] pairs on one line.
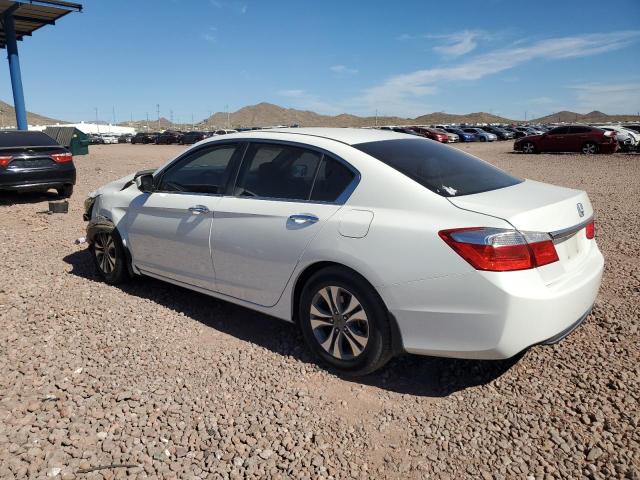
[[349, 136]]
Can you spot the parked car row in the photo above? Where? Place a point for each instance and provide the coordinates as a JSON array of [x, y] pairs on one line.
[[170, 137]]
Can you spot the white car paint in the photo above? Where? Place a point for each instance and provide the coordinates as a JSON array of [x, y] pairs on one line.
[[244, 250]]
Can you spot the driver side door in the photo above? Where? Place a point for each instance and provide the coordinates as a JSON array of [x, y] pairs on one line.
[[169, 229]]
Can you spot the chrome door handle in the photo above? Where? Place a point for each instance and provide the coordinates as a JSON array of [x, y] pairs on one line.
[[198, 209], [302, 218]]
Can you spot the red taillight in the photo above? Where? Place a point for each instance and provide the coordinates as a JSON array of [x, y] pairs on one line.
[[501, 250], [61, 157], [590, 230], [5, 160]]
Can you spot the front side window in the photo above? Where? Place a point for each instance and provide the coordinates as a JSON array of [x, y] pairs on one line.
[[559, 131], [277, 171], [205, 171], [447, 171]]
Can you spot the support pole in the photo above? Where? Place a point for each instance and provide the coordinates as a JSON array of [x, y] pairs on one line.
[[14, 71]]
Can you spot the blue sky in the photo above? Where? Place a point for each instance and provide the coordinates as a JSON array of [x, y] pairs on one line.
[[401, 58]]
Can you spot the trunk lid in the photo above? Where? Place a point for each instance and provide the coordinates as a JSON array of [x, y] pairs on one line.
[[540, 207]]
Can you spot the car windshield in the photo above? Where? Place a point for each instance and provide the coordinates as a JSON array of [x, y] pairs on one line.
[[447, 171], [26, 139]]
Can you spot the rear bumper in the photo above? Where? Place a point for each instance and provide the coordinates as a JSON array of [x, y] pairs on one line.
[[488, 315], [37, 179]]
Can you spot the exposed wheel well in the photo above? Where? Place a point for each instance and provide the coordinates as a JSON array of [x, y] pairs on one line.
[[308, 272]]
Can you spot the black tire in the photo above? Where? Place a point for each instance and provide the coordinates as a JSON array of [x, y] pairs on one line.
[[115, 270], [589, 148], [483, 139], [378, 347], [65, 191]]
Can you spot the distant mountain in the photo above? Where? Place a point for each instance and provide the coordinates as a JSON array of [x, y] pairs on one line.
[[266, 114], [591, 117], [8, 117]]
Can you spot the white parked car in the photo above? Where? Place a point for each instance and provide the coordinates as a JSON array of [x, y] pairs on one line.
[[109, 139], [374, 242], [627, 139]]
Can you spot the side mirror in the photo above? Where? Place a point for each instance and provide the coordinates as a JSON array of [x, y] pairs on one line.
[[145, 183]]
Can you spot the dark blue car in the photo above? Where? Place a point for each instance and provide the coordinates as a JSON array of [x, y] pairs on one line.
[[464, 136]]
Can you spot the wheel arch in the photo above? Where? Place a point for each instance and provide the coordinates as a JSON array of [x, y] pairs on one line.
[[312, 269], [106, 225]]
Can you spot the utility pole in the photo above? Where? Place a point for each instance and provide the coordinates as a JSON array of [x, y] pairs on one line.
[[113, 108], [171, 117], [97, 126], [376, 117], [525, 115], [158, 112], [131, 121], [147, 125], [192, 121], [208, 119]]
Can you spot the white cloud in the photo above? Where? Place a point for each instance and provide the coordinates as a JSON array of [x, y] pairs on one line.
[[623, 98], [210, 36], [238, 7], [291, 93], [343, 70], [458, 43], [303, 100], [539, 101], [400, 92]]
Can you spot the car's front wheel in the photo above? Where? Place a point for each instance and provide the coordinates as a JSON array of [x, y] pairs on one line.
[[529, 147], [589, 148], [344, 322], [109, 257]]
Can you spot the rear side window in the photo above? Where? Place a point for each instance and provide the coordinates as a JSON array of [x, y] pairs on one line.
[[444, 170], [332, 180], [277, 171], [559, 131], [580, 129], [26, 139]]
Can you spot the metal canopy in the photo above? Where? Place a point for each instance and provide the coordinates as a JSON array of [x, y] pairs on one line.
[[18, 19], [32, 15]]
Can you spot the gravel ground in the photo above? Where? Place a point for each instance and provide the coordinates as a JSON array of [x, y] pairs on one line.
[[150, 380]]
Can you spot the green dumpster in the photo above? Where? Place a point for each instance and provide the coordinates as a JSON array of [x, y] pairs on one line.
[[70, 137]]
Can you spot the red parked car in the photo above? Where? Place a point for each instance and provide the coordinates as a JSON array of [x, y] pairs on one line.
[[570, 138], [431, 133]]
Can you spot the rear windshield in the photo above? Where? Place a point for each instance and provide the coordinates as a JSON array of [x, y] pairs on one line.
[[444, 170], [26, 139]]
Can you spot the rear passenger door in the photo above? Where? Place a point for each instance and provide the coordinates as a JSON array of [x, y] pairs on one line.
[[578, 136], [281, 199]]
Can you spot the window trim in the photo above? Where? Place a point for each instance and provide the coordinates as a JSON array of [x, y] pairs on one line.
[[235, 160], [342, 198]]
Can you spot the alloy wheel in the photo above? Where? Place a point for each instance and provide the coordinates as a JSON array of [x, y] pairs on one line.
[[528, 147], [339, 322], [105, 250], [589, 148]]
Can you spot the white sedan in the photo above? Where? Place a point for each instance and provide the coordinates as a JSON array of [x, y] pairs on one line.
[[373, 242]]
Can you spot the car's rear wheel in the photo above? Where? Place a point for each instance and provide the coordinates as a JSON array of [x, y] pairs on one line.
[[109, 257], [528, 147], [589, 148], [344, 322], [65, 191], [483, 139]]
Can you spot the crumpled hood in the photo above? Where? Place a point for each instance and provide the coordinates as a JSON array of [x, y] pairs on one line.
[[114, 186], [119, 184]]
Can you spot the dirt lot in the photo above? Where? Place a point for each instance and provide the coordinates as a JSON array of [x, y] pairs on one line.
[[166, 383]]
